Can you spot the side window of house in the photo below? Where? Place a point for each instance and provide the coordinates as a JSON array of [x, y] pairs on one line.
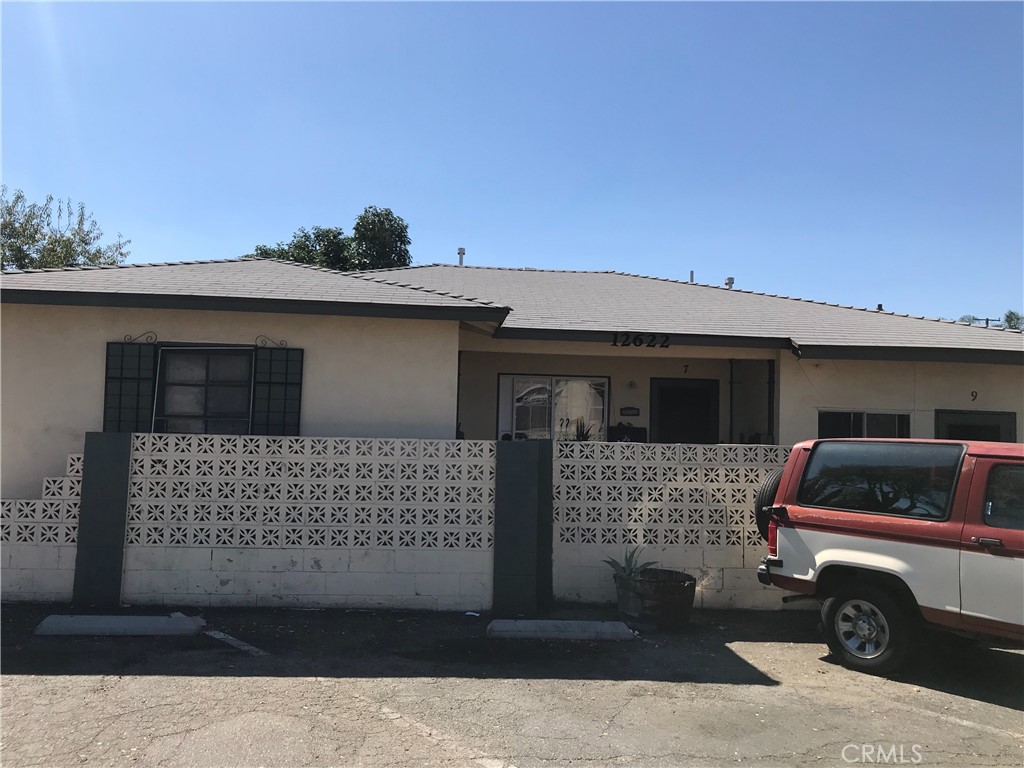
[[207, 391], [213, 390], [1004, 499], [552, 407], [862, 424], [908, 480]]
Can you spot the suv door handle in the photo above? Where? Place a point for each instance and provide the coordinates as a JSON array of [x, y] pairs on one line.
[[986, 541]]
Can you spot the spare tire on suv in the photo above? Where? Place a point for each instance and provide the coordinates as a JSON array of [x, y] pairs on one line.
[[766, 498]]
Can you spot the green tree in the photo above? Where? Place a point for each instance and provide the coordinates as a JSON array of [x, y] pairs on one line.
[[34, 236], [321, 246], [1013, 320], [379, 240]]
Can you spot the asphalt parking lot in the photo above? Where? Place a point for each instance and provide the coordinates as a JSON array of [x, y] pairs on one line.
[[411, 689]]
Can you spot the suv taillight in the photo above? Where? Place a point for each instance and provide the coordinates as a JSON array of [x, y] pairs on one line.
[[773, 538]]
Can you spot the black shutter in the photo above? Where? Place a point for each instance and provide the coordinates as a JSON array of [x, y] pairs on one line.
[[130, 384], [277, 391]]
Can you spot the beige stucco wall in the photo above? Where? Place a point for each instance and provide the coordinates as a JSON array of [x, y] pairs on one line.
[[915, 388], [484, 358], [363, 377], [803, 386]]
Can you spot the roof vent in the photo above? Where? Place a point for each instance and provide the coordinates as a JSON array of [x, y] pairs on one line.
[[729, 281], [691, 275], [880, 308], [462, 255]]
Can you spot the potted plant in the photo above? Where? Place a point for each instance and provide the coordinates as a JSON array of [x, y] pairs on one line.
[[650, 597]]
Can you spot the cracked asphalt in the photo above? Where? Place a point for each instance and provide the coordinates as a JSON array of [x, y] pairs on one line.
[[355, 688]]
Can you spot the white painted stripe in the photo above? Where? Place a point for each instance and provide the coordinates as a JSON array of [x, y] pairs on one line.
[[250, 649], [979, 726]]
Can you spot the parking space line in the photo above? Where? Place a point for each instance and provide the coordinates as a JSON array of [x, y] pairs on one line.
[[250, 649]]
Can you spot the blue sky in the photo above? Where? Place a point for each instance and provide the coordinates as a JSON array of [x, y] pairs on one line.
[[853, 153]]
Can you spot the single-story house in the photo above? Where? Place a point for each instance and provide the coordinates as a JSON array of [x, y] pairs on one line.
[[270, 347]]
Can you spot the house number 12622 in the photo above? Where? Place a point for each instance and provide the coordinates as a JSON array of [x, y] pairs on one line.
[[640, 340]]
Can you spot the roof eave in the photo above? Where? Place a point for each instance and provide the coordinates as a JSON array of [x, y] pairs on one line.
[[244, 304], [910, 354], [608, 337]]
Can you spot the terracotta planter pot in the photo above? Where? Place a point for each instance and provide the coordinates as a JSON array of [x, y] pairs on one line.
[[656, 597]]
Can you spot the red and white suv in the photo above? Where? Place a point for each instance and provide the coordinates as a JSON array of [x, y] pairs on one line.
[[893, 535]]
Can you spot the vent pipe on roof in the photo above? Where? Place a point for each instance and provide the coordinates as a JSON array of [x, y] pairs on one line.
[[462, 255], [880, 309], [729, 281], [691, 275]]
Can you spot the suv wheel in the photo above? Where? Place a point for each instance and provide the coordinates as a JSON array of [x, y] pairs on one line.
[[867, 629], [765, 498]]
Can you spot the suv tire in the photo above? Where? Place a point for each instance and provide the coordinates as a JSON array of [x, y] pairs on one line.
[[868, 629], [765, 498]]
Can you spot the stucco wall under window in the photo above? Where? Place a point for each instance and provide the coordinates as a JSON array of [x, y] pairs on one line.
[[363, 377]]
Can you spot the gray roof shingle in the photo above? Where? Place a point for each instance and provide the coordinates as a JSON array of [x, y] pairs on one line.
[[261, 283], [545, 304], [608, 302]]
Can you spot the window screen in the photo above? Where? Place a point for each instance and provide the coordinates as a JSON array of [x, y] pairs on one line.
[[205, 391], [908, 479]]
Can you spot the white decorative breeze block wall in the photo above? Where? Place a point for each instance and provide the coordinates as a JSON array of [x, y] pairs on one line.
[[309, 521], [38, 540], [689, 506]]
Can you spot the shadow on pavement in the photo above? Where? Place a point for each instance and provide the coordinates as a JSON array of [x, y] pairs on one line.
[[340, 643], [352, 643], [966, 668]]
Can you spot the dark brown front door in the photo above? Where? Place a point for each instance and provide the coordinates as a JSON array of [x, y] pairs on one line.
[[684, 410]]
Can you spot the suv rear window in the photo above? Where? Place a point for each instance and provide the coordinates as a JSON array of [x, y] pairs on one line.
[[903, 479]]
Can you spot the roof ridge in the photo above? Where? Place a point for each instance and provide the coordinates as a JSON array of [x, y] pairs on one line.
[[504, 269], [815, 301], [361, 275], [366, 277], [91, 267]]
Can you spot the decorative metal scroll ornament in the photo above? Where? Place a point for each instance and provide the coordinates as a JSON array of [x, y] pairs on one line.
[[148, 337], [266, 341]]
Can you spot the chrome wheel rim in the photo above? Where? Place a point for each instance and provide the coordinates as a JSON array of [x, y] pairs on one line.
[[862, 629]]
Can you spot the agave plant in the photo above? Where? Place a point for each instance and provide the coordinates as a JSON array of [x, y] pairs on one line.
[[584, 431], [630, 566]]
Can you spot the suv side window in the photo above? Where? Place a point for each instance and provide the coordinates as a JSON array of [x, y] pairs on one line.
[[1004, 499], [905, 479]]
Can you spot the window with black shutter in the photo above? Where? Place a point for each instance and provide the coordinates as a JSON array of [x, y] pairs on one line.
[[277, 391], [211, 390], [130, 386]]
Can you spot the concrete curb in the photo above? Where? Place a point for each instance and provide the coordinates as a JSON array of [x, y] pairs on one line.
[[176, 624], [545, 629]]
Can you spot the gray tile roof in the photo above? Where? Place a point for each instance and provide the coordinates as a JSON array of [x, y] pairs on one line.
[[545, 304], [258, 281], [607, 302]]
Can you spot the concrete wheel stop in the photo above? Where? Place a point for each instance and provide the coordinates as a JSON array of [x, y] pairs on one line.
[[557, 629], [175, 624]]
